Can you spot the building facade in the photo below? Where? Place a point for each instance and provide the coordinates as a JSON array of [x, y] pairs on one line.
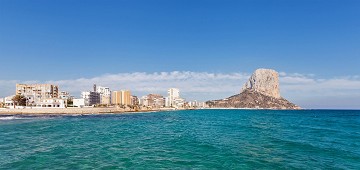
[[173, 96], [57, 103], [155, 100], [8, 102], [122, 97], [115, 97], [91, 98], [79, 103], [105, 94], [134, 100], [144, 101], [37, 92], [65, 95]]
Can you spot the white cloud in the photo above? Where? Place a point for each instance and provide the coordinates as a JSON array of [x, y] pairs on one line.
[[299, 88], [309, 92]]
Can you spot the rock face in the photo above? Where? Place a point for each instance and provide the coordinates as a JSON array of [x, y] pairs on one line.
[[264, 81], [261, 91]]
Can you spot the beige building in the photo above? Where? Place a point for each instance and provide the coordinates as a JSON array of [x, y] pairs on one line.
[[37, 92], [122, 97], [104, 94], [153, 100], [115, 97], [104, 99]]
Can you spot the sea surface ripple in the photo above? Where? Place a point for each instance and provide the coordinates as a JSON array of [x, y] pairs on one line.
[[192, 139]]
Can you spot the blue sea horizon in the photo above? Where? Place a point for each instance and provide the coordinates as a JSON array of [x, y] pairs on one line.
[[190, 139]]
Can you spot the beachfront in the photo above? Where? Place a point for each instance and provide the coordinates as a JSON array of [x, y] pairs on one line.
[[76, 110]]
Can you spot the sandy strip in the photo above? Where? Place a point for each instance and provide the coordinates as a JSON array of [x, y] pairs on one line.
[[71, 111]]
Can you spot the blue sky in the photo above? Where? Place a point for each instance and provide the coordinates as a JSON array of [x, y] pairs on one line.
[[43, 40]]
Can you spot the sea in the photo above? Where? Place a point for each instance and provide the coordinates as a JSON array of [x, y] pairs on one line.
[[189, 139]]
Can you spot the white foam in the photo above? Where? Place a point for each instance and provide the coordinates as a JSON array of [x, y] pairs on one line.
[[10, 118]]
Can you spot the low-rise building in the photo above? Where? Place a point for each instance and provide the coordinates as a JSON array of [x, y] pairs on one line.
[[65, 95], [57, 103], [79, 103], [7, 101]]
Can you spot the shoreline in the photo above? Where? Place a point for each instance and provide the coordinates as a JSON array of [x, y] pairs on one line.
[[74, 111], [235, 108], [110, 110]]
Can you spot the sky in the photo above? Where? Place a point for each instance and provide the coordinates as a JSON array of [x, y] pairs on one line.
[[206, 48]]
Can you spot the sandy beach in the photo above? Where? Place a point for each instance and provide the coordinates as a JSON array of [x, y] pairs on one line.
[[74, 110]]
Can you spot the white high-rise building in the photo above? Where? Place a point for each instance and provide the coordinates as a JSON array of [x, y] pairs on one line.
[[144, 101], [167, 102], [173, 95], [91, 98]]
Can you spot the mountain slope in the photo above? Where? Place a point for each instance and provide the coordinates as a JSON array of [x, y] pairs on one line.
[[252, 99]]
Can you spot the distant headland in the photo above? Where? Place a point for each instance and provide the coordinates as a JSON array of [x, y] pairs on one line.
[[261, 91]]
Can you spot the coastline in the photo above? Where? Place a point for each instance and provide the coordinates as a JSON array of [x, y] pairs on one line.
[[107, 110], [235, 108], [72, 111]]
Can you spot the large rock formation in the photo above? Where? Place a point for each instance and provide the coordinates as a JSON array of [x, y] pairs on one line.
[[261, 91], [264, 81]]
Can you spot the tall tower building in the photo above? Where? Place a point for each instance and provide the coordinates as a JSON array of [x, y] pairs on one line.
[[115, 97], [126, 97], [173, 94], [122, 97]]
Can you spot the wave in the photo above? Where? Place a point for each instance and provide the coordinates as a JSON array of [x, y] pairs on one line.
[[11, 118], [27, 117]]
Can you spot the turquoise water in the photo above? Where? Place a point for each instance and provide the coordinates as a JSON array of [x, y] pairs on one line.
[[199, 139]]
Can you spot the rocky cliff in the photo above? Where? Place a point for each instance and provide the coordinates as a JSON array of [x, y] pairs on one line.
[[264, 81], [260, 91]]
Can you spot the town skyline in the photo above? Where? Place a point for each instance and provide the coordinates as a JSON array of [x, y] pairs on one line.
[[50, 96], [302, 89]]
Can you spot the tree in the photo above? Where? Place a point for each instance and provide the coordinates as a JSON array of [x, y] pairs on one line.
[[19, 100], [70, 102]]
